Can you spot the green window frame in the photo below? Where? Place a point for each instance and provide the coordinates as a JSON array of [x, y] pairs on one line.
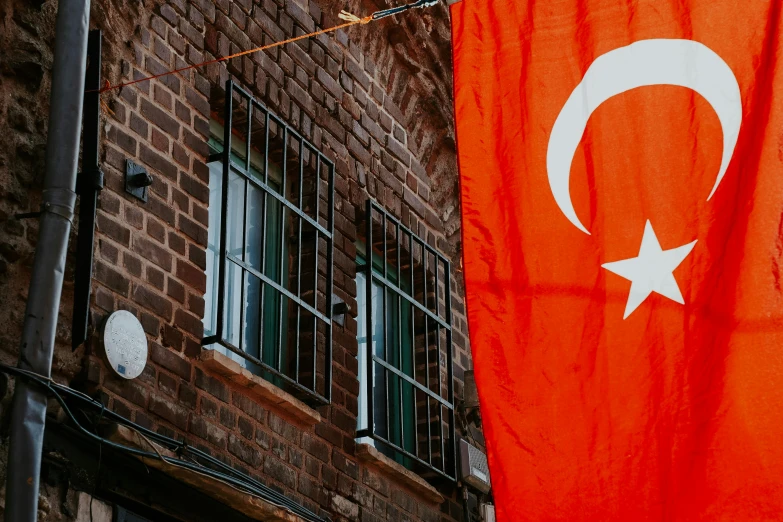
[[394, 400], [269, 249], [406, 388]]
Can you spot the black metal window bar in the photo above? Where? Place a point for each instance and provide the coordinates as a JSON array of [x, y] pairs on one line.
[[410, 396], [272, 274]]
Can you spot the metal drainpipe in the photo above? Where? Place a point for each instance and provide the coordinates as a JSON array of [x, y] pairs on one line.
[[43, 304]]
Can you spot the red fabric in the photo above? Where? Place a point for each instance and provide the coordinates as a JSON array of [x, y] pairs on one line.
[[676, 412]]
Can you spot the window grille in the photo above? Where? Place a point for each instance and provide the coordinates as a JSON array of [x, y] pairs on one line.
[[270, 248], [406, 370]]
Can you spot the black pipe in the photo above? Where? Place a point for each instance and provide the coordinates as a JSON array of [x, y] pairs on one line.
[[88, 185], [465, 504], [43, 304]]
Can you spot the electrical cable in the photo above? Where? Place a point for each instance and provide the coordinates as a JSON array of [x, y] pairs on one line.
[[236, 479]]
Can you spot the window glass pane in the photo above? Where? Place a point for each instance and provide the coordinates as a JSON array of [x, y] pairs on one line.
[[361, 338], [233, 303], [235, 213], [255, 224], [274, 239], [213, 246], [394, 408], [252, 330]]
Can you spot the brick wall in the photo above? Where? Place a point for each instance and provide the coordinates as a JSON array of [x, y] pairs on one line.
[[375, 100]]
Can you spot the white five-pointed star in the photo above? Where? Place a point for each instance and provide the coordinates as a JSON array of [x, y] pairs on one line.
[[651, 271]]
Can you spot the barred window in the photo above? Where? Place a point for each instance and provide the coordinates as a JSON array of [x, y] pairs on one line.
[[406, 391], [269, 254]]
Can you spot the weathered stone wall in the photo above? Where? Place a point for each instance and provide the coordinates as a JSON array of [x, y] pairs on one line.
[[375, 99]]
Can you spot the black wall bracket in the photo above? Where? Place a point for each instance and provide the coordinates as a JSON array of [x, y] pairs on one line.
[[137, 179], [339, 309]]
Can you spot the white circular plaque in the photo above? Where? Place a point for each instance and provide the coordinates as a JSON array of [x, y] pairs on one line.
[[125, 344]]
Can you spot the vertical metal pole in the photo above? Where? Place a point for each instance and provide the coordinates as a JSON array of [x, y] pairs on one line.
[[90, 183], [220, 330], [299, 257], [368, 301], [58, 201], [245, 278], [315, 272], [387, 376], [282, 271], [329, 285], [265, 212], [450, 369]]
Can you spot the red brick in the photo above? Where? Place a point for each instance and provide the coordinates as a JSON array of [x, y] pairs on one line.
[[246, 428], [155, 277], [157, 163], [280, 472], [158, 116], [153, 252], [187, 395], [124, 141], [167, 410], [209, 432], [315, 447], [152, 301], [156, 231], [161, 210], [175, 290], [189, 323], [244, 451], [172, 337], [227, 417], [194, 187], [398, 150], [129, 390], [108, 251], [287, 431], [195, 231], [329, 433], [114, 230], [111, 278], [250, 407], [109, 203], [176, 243], [198, 256], [167, 384], [160, 141], [191, 275], [211, 385], [132, 264]]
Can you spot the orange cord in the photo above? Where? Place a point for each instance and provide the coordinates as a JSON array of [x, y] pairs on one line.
[[353, 20]]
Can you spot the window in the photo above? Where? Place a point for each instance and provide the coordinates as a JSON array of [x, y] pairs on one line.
[[269, 253], [406, 392]]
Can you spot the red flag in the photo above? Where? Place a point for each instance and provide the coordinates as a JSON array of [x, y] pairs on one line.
[[622, 196]]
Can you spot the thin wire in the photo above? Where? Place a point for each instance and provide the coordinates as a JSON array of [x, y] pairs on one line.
[[350, 19], [243, 483], [353, 21]]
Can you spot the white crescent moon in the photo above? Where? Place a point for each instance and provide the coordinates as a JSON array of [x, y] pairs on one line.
[[647, 62]]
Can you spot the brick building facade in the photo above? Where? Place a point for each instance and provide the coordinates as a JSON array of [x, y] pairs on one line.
[[375, 101]]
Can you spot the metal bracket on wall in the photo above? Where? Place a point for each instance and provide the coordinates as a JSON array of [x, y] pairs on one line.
[[137, 179], [339, 309]]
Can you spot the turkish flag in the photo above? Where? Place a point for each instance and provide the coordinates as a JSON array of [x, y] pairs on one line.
[[621, 166]]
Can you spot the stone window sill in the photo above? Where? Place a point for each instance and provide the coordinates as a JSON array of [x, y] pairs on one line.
[[369, 455], [269, 395]]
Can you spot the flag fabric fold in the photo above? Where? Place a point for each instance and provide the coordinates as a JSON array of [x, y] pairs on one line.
[[621, 170]]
